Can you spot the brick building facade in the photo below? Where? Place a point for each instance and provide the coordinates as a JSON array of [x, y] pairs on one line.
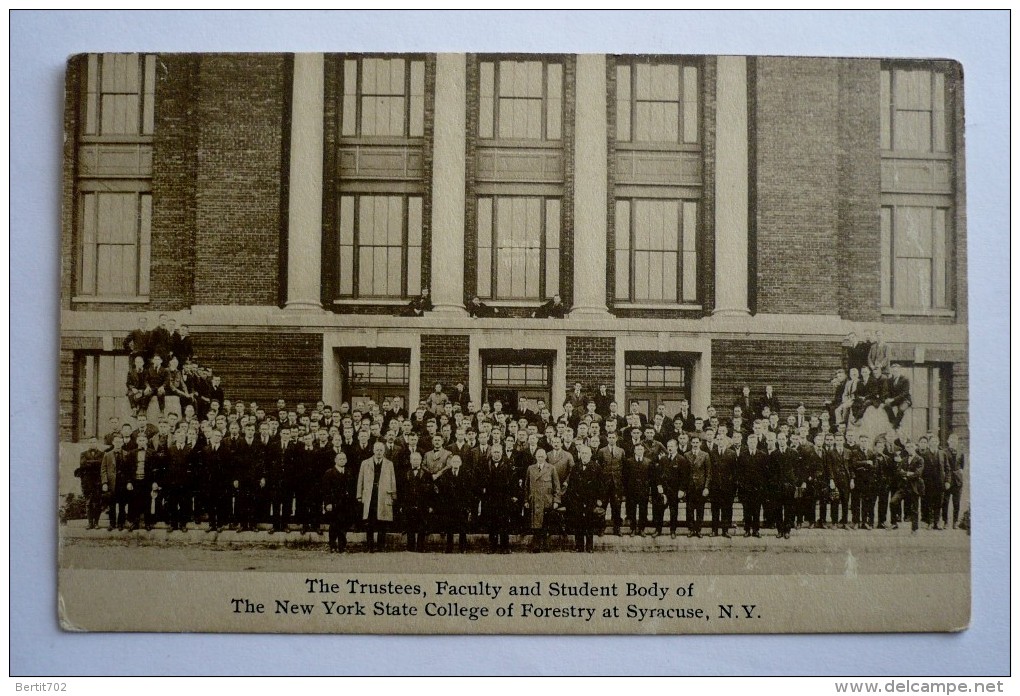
[[749, 214]]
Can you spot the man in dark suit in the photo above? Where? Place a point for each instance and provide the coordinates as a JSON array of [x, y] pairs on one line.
[[781, 481], [416, 496], [175, 481], [897, 399], [583, 497], [770, 400], [218, 481], [685, 417], [454, 496], [610, 460], [338, 483], [501, 497], [156, 382], [723, 486], [697, 486], [673, 469], [862, 497], [637, 488], [138, 340], [936, 475], [159, 339], [751, 464], [90, 472], [957, 463], [838, 466], [746, 403], [911, 486], [551, 309], [813, 464]]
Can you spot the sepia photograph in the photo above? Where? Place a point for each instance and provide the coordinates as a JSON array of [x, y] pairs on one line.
[[513, 343]]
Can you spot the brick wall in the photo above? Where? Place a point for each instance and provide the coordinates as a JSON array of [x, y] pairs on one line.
[[797, 370], [68, 403], [591, 360], [174, 172], [859, 185], [444, 359], [75, 70], [264, 367], [797, 116], [241, 102]]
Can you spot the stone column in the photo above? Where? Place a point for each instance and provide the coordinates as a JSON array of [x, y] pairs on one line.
[[304, 220], [590, 188], [448, 176], [731, 214]]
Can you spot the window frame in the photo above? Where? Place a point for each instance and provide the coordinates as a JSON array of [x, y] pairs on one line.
[[544, 249], [496, 60], [889, 258], [681, 62], [359, 96], [88, 397], [888, 110], [98, 180], [681, 301], [356, 295], [943, 301]]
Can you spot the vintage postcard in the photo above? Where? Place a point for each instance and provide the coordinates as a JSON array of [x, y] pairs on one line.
[[513, 343]]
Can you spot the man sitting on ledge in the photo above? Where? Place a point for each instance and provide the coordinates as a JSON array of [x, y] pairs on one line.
[[552, 309], [418, 306]]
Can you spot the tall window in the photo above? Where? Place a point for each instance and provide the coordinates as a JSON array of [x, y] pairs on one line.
[[383, 97], [102, 393], [914, 111], [520, 99], [656, 250], [914, 256], [518, 247], [658, 187], [380, 194], [657, 103], [917, 189], [927, 399], [114, 200], [380, 246]]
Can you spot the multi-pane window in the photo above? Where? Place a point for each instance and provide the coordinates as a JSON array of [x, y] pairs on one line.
[[520, 99], [374, 381], [914, 256], [518, 247], [927, 396], [917, 188], [102, 392], [119, 94], [522, 375], [380, 246], [114, 200], [674, 376], [383, 97], [657, 379], [656, 250], [914, 111], [658, 150], [657, 103]]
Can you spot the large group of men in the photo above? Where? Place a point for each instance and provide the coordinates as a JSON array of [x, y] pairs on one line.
[[451, 467]]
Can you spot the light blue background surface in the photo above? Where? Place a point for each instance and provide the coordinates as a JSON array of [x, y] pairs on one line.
[[41, 41]]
